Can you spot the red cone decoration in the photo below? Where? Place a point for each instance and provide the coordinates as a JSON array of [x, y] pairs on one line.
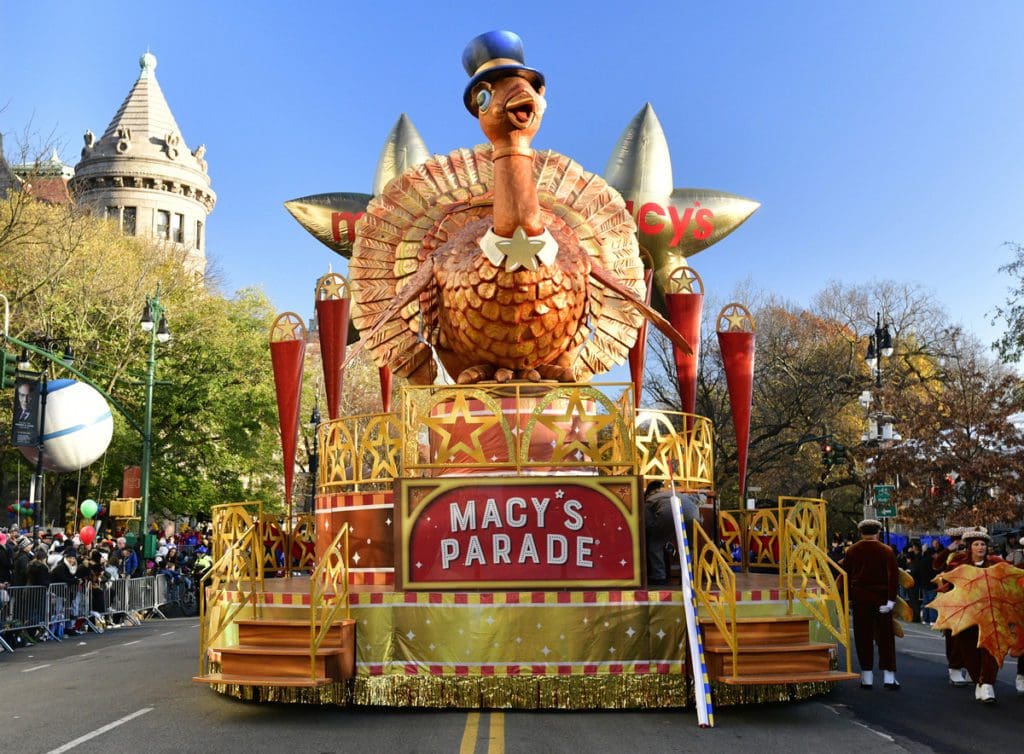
[[385, 388], [287, 353], [639, 350], [736, 339], [684, 300], [332, 309]]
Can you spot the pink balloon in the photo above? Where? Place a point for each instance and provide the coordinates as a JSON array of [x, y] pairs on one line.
[[87, 535], [3, 539]]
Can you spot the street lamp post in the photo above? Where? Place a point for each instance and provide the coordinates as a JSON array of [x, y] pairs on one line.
[[879, 347], [153, 312]]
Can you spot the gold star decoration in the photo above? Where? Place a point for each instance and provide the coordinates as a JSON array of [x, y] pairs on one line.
[[576, 431], [287, 326], [520, 250], [331, 286], [735, 318], [683, 279], [460, 429]]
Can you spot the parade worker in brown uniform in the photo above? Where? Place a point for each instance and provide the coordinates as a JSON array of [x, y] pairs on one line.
[[873, 581]]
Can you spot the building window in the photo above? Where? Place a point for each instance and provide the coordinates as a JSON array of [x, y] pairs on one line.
[[163, 224], [199, 235], [114, 213], [128, 221], [178, 229]]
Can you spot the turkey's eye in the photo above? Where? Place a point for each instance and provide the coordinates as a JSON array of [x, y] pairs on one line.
[[483, 100]]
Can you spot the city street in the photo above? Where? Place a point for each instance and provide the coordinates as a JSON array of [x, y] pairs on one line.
[[130, 689]]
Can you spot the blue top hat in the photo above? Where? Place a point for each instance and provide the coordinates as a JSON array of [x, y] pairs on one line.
[[492, 56]]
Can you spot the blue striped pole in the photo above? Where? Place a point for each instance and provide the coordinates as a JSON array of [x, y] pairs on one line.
[[701, 682]]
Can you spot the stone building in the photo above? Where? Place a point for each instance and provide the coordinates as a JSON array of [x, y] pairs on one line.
[[142, 174]]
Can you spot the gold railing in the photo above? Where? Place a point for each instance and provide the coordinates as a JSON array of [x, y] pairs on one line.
[[359, 453], [759, 532], [517, 429], [328, 594], [230, 521], [274, 533], [811, 578], [239, 566], [675, 446], [715, 586]]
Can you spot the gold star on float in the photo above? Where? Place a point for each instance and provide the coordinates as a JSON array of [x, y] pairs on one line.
[[383, 448], [520, 250], [683, 279], [735, 318], [576, 430], [660, 446], [331, 287], [287, 326], [454, 430]]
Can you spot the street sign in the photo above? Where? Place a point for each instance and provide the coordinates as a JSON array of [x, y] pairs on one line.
[[884, 506]]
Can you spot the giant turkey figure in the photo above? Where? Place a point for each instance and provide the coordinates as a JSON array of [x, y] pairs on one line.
[[506, 263]]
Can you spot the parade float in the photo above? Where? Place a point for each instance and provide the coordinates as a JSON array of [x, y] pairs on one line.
[[482, 544]]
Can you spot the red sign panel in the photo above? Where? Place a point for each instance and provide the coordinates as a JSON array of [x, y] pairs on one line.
[[131, 482], [548, 532]]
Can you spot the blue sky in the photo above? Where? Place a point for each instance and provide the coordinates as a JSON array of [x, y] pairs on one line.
[[883, 139]]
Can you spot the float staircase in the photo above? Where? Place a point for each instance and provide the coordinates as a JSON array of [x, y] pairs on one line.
[[770, 650], [273, 652]]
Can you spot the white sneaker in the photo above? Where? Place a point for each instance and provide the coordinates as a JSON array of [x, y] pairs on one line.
[[977, 692], [957, 678], [1020, 684], [986, 693], [867, 679]]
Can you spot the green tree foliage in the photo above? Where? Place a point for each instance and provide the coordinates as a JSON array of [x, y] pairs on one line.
[[71, 275], [1011, 345], [960, 457], [951, 408]]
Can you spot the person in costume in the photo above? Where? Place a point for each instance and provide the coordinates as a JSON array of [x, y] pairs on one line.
[[940, 563], [873, 582], [981, 665]]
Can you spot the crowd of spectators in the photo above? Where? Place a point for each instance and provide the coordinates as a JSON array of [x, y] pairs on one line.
[[42, 557]]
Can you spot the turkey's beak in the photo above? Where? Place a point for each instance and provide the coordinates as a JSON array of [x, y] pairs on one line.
[[521, 110]]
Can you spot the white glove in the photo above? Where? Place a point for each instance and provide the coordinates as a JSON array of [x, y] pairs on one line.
[[887, 607]]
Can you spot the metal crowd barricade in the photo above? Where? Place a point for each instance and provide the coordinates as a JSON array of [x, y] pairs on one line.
[[115, 601], [50, 609], [24, 609], [5, 618], [60, 610], [161, 593]]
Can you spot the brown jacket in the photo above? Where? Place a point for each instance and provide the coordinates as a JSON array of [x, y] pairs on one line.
[[872, 571]]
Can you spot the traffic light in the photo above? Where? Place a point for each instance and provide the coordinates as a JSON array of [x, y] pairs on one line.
[[9, 370], [838, 454], [827, 455]]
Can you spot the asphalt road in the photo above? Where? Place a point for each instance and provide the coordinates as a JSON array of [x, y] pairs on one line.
[[130, 689]]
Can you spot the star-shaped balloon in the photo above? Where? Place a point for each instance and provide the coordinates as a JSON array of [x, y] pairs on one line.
[[672, 224], [332, 218]]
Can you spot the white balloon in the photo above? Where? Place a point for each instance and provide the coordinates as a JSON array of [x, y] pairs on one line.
[[78, 427]]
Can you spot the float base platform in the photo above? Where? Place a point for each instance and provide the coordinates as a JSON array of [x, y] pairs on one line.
[[580, 649]]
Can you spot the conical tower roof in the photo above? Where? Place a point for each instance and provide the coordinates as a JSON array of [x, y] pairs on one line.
[[145, 111], [143, 145]]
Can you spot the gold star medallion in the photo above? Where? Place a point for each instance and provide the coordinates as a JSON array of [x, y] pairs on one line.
[[520, 250]]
